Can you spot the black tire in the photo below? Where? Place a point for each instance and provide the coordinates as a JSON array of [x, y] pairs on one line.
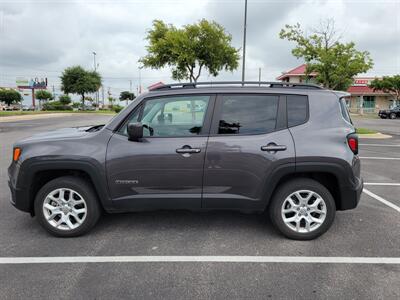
[[84, 189], [392, 116], [286, 189]]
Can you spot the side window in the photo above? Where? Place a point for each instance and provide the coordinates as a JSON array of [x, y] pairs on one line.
[[174, 116], [248, 114], [133, 118], [297, 109]]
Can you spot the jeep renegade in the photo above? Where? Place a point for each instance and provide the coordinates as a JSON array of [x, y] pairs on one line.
[[290, 149]]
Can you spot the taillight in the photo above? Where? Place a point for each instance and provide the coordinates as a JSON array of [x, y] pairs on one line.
[[16, 154], [352, 141]]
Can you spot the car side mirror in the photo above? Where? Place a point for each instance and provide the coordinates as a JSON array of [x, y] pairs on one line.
[[135, 131]]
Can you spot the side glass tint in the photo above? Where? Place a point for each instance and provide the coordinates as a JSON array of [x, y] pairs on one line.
[[297, 109], [133, 118], [248, 114], [174, 116]]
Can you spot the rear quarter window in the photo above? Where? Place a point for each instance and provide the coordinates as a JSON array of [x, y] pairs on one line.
[[344, 110], [297, 110]]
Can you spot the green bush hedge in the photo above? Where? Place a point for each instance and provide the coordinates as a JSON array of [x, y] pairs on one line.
[[56, 105], [117, 108]]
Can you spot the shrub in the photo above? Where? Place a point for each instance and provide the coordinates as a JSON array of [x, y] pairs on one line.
[[117, 108], [55, 105], [64, 99]]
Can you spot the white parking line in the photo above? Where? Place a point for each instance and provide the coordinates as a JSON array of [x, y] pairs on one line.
[[379, 145], [384, 158], [382, 183], [379, 198], [193, 259]]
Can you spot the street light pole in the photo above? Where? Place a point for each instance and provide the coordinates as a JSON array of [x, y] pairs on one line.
[[244, 42], [95, 69], [94, 60]]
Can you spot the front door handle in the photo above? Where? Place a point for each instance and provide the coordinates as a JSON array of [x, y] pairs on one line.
[[187, 149], [272, 147]]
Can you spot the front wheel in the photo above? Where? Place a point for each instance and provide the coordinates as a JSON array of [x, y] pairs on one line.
[[67, 206], [302, 209], [392, 116]]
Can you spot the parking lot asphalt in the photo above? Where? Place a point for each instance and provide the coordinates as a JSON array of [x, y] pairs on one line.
[[371, 230], [385, 125]]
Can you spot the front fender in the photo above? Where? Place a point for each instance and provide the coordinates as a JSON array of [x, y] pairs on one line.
[[29, 168]]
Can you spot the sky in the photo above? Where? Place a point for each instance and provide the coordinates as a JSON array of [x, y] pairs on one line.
[[40, 38]]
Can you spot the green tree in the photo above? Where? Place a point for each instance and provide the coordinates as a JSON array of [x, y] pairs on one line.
[[387, 84], [111, 101], [10, 96], [189, 50], [334, 62], [76, 80], [64, 99], [126, 95], [43, 95]]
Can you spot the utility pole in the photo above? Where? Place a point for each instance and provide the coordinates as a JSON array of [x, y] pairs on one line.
[[140, 82], [95, 69], [94, 60], [130, 90], [102, 94], [244, 41], [54, 92], [259, 76]]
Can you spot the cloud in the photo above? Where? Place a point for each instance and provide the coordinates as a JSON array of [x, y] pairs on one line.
[[42, 37]]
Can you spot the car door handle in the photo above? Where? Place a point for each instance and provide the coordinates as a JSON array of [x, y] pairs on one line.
[[272, 147], [188, 149]]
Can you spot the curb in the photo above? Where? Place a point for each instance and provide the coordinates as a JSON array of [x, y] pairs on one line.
[[374, 136]]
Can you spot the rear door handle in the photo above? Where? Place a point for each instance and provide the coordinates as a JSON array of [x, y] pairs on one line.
[[188, 149], [272, 147]]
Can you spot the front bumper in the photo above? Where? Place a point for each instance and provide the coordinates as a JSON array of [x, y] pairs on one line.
[[19, 194]]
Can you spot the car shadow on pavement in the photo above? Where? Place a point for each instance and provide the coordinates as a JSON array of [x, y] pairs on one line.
[[181, 220]]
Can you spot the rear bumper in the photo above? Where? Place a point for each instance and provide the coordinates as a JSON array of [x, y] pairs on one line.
[[350, 196]]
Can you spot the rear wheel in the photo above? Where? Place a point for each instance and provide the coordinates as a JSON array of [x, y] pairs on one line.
[[67, 207], [392, 116], [302, 209]]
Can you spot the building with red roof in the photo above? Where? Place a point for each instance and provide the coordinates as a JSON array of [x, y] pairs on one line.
[[362, 99]]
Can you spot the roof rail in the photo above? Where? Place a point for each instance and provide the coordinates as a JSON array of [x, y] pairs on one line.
[[270, 84]]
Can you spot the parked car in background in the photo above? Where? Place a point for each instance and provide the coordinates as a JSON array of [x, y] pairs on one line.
[[290, 149], [392, 113], [28, 108], [87, 107]]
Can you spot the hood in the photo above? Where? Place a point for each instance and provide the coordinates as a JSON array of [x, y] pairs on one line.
[[62, 134]]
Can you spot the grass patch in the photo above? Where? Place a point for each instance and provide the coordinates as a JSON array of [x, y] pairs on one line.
[[365, 131], [21, 113]]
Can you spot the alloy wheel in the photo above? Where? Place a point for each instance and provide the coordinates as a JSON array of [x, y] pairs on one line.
[[64, 209], [303, 211]]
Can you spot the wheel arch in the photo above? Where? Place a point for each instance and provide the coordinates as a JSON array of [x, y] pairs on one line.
[[333, 175], [37, 172]]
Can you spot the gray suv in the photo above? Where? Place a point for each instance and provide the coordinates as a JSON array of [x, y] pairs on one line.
[[289, 149]]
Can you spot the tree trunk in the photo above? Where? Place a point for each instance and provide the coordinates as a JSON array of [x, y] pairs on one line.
[[83, 101]]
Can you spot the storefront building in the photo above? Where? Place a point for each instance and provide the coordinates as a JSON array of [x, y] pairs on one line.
[[363, 99]]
